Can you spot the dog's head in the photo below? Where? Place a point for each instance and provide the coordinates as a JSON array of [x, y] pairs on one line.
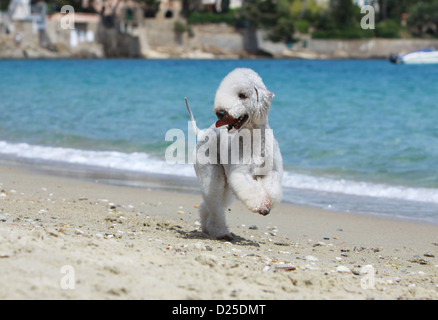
[[242, 100]]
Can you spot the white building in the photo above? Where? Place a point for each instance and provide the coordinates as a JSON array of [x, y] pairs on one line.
[[19, 10], [23, 11], [361, 3], [234, 4]]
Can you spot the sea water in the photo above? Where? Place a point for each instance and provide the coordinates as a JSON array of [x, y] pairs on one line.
[[355, 135]]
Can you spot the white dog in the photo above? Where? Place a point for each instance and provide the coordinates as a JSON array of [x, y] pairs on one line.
[[238, 154]]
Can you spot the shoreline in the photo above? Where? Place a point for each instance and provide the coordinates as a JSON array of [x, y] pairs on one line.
[[255, 57], [337, 201], [184, 185], [140, 243], [316, 49]]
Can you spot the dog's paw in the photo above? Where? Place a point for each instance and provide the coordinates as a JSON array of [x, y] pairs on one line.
[[264, 208], [219, 232], [264, 212], [226, 237]]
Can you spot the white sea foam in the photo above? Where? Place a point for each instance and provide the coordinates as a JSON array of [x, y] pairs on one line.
[[142, 162], [137, 161], [322, 184]]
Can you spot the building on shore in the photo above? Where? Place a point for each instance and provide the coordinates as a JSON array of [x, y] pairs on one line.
[[26, 21], [84, 30]]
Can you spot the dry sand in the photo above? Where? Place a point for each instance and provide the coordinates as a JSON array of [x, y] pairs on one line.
[[64, 238]]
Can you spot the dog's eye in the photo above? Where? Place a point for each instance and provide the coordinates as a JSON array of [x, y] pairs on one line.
[[243, 96]]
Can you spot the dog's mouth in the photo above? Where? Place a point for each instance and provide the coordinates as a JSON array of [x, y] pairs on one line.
[[232, 122]]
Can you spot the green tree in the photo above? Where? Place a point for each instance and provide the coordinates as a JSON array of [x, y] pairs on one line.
[[343, 12], [423, 18], [283, 31], [271, 15], [56, 5], [342, 21], [393, 9], [259, 13], [388, 29], [4, 5]]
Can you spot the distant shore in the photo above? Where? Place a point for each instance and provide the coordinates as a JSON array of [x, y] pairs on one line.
[[206, 48], [140, 243]]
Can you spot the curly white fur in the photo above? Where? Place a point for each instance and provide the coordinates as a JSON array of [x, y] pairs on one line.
[[242, 101]]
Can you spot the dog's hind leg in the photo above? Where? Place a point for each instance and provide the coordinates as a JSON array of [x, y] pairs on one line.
[[217, 197]]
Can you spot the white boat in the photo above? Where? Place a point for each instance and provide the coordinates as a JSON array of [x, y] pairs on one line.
[[424, 56]]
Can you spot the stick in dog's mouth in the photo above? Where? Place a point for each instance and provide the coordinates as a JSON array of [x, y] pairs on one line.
[[232, 123]]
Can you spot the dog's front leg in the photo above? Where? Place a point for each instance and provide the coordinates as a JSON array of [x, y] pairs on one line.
[[271, 179], [272, 185], [250, 191]]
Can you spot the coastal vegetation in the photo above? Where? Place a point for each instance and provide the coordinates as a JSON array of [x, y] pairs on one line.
[[285, 20], [337, 19]]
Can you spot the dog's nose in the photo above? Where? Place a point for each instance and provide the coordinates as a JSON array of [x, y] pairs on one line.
[[221, 114]]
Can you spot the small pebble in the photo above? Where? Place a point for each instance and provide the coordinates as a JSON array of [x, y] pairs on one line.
[[281, 243], [199, 245], [289, 268], [311, 258], [180, 212], [342, 269], [309, 267], [3, 218], [253, 227]]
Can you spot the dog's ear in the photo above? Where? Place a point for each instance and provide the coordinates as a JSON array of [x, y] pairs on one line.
[[263, 95]]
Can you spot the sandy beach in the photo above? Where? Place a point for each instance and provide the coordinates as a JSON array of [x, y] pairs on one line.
[[66, 238]]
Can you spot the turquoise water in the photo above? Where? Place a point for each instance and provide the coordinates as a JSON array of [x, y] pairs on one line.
[[355, 135]]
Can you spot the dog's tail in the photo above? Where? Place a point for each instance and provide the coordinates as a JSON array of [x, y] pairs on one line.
[[195, 128]]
